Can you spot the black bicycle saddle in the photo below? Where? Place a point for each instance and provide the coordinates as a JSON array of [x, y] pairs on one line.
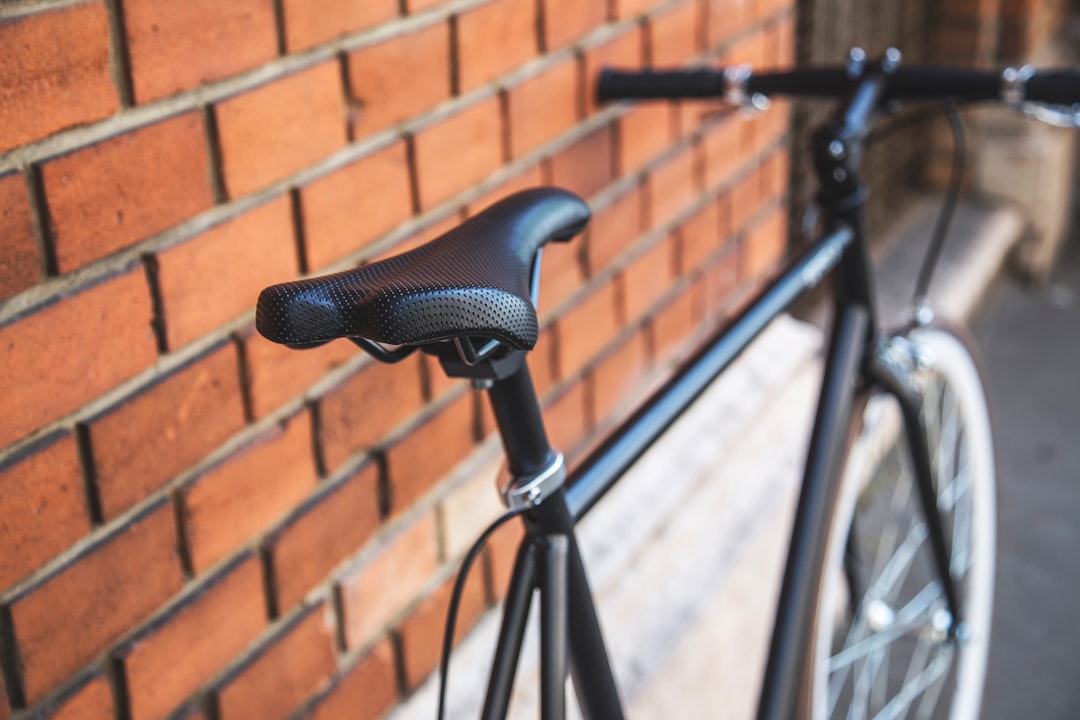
[[471, 281]]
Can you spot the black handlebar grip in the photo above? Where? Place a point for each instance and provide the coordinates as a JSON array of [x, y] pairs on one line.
[[1056, 87], [659, 84]]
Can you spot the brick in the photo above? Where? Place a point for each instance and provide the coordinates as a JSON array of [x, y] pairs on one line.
[[365, 691], [530, 177], [458, 152], [542, 361], [378, 96], [644, 133], [325, 531], [614, 230], [673, 35], [20, 262], [113, 194], [42, 506], [566, 21], [276, 373], [745, 198], [275, 130], [471, 506], [646, 279], [702, 235], [141, 443], [92, 341], [231, 503], [543, 107], [429, 452], [67, 618], [586, 166], [748, 50], [721, 280], [566, 418], [217, 275], [90, 699], [55, 72], [764, 246], [312, 22], [494, 39], [415, 6], [361, 411], [630, 8], [672, 187], [427, 233], [176, 46], [286, 670], [675, 324], [585, 330], [720, 145], [786, 41], [623, 52], [422, 632], [194, 640], [349, 208], [618, 375], [374, 593], [502, 550], [725, 20]]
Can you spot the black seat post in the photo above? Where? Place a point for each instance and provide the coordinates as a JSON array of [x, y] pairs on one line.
[[521, 425]]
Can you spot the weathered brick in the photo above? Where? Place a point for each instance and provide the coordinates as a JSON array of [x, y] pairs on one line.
[[176, 46], [365, 691], [217, 275], [702, 235], [617, 376], [42, 506], [566, 418], [276, 373], [587, 328], [468, 509], [720, 145], [646, 278], [530, 177], [542, 107], [312, 22], [748, 50], [623, 52], [90, 699], [20, 262], [721, 279], [374, 593], [565, 21], [746, 198], [672, 186], [54, 72], [629, 8], [458, 152], [614, 230], [494, 39], [275, 130], [763, 246], [67, 618], [91, 341], [501, 551], [113, 194], [673, 34], [378, 96], [351, 207], [325, 531], [235, 500], [421, 632], [586, 166], [429, 452], [198, 637], [725, 20], [289, 666], [541, 364], [675, 323], [144, 441], [644, 132], [362, 410], [561, 275]]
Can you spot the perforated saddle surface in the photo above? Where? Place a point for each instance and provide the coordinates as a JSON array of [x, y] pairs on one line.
[[472, 281]]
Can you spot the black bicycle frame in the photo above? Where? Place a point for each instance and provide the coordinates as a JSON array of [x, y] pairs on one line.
[[549, 560]]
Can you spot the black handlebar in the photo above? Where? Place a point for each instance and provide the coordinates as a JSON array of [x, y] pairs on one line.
[[1060, 87]]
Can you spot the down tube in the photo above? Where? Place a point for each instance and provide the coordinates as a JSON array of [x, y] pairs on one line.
[[784, 684]]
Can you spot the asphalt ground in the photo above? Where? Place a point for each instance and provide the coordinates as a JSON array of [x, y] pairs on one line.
[[1031, 350]]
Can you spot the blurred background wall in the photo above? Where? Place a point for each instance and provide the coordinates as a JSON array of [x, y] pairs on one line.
[[194, 522]]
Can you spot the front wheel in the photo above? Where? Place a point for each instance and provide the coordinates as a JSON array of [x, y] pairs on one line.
[[885, 644]]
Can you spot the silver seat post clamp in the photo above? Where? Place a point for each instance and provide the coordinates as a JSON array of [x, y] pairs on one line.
[[1014, 85], [524, 491]]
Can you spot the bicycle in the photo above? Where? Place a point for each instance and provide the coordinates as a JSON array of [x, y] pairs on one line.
[[852, 597]]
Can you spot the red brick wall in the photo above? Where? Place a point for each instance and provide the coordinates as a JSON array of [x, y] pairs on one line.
[[193, 518]]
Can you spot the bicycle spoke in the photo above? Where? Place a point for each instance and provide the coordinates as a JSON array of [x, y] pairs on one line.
[[899, 705], [906, 621]]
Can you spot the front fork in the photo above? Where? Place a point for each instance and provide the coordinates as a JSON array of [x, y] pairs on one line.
[[890, 366]]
